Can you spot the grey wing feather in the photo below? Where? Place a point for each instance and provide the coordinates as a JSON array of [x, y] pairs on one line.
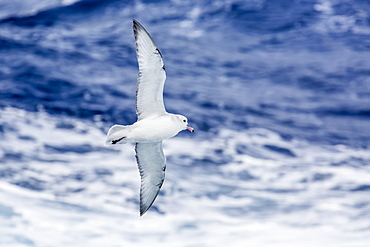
[[152, 75], [152, 165]]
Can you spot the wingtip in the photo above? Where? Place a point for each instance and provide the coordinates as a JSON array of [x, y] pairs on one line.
[[143, 211], [134, 24], [140, 28], [145, 207], [137, 24], [137, 27]]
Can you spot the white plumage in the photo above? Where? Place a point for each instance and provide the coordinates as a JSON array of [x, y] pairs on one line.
[[154, 124]]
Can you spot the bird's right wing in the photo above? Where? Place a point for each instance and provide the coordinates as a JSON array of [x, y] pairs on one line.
[[152, 75], [152, 165]]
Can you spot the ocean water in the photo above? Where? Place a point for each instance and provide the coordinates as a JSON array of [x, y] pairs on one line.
[[278, 92]]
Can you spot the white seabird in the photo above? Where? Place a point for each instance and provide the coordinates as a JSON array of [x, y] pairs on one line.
[[154, 124]]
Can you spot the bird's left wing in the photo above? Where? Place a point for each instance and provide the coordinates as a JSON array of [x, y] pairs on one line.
[[152, 75], [152, 165]]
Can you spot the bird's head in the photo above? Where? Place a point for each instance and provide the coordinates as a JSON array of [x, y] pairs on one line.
[[183, 121]]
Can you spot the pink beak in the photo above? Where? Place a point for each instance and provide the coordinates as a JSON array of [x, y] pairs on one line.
[[190, 129]]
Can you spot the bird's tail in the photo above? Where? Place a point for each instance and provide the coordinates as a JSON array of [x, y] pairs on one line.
[[116, 134]]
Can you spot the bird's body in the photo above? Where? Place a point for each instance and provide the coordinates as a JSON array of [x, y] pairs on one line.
[[154, 124], [150, 129]]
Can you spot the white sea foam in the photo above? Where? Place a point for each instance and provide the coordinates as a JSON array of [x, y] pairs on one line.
[[229, 190], [20, 8]]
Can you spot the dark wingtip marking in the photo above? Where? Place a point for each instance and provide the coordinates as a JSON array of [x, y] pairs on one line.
[[136, 23], [143, 209], [117, 140], [137, 26]]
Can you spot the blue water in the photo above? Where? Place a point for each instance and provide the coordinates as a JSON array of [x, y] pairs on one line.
[[278, 92]]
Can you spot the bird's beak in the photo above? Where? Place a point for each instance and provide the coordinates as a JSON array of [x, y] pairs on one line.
[[190, 129]]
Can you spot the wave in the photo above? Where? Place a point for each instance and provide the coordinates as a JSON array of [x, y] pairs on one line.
[[61, 169], [23, 9]]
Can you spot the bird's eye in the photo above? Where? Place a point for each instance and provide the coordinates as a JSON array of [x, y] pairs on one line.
[[184, 120]]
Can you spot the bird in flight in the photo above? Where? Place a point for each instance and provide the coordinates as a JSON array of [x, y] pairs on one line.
[[154, 123]]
